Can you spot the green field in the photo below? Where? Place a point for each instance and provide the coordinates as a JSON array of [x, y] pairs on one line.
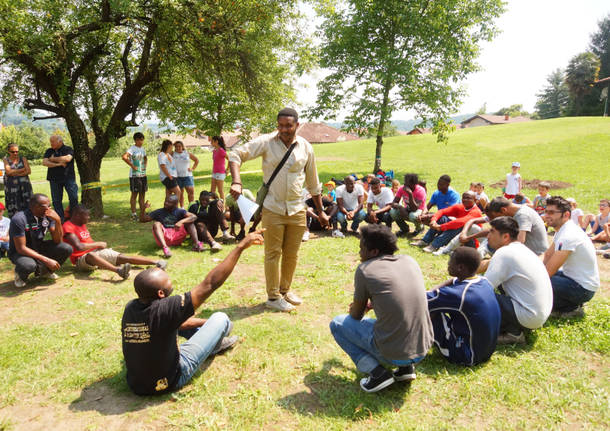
[[60, 347]]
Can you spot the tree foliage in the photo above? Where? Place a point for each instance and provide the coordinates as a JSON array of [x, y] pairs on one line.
[[513, 111], [388, 55], [553, 98], [582, 71], [98, 63], [600, 46]]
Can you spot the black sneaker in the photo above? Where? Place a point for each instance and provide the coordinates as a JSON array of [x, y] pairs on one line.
[[124, 270], [405, 374], [373, 384]]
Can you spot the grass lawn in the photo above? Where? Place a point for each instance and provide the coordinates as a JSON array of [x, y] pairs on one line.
[[60, 343]]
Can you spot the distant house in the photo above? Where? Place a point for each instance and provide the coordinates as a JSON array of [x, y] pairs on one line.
[[419, 131], [321, 133], [490, 120], [198, 140]]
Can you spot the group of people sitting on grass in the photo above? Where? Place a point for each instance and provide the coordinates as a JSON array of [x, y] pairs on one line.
[[506, 278]]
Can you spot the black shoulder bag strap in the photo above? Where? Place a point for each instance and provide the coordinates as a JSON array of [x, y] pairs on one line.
[[281, 164]]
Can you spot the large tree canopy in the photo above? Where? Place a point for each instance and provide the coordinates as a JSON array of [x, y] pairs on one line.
[[582, 71], [553, 99], [388, 55], [97, 63]]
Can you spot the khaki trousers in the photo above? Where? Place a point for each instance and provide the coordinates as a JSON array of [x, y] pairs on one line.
[[283, 237]]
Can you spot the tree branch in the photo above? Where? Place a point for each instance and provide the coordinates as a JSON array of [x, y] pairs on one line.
[[48, 117], [31, 104], [86, 61], [124, 59]]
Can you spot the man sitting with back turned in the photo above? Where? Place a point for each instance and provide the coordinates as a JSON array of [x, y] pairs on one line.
[[89, 255], [151, 323], [464, 311], [402, 333]]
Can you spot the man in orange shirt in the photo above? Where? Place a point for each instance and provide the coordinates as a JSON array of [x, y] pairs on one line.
[[89, 255]]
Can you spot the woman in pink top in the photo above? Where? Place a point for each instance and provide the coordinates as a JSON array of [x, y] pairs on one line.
[[219, 166]]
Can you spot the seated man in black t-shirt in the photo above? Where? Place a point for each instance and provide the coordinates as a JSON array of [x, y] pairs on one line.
[[171, 225], [210, 217], [28, 249], [150, 325]]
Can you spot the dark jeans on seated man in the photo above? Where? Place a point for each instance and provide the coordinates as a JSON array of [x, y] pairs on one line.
[[508, 322], [568, 295], [439, 238], [25, 265], [215, 218]]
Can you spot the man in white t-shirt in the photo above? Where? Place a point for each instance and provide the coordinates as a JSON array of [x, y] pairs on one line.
[[135, 157], [526, 296], [350, 198], [570, 261], [383, 198]]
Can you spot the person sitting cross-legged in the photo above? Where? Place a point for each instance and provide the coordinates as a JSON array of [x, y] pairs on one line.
[[151, 323], [89, 255], [449, 222], [171, 224], [350, 197], [210, 217], [393, 286], [383, 198], [28, 250], [570, 261], [464, 311], [526, 296]]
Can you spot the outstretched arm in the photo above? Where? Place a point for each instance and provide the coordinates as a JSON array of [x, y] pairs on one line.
[[217, 276]]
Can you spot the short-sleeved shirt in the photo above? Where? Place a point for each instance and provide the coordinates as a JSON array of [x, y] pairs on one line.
[[512, 184], [219, 165], [385, 197], [137, 156], [444, 200], [182, 162], [395, 286], [168, 218], [24, 223], [466, 319], [168, 161], [5, 224], [525, 280], [350, 200], [419, 194], [581, 265], [150, 342], [576, 212], [530, 221], [540, 203], [83, 235], [61, 174]]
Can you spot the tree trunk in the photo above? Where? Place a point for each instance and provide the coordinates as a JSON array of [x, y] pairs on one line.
[[380, 127], [88, 164]]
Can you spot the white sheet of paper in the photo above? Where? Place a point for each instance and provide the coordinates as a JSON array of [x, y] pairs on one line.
[[246, 207]]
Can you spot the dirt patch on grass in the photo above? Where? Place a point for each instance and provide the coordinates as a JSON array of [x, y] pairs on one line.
[[533, 184]]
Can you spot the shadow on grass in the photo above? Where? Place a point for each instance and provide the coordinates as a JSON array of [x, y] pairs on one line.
[[34, 284], [111, 396], [237, 312], [332, 394]]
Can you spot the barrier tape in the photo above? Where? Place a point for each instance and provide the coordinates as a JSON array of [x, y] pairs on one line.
[[97, 185]]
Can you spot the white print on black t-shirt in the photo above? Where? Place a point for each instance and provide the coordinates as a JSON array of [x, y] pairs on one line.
[[136, 333]]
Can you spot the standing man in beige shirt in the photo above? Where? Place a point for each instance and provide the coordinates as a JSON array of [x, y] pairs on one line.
[[283, 214]]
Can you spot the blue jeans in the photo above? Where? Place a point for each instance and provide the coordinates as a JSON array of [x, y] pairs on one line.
[[439, 238], [203, 342], [358, 218], [356, 338], [567, 293], [57, 195]]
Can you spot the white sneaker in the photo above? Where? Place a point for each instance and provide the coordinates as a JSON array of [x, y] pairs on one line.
[[337, 234], [429, 249], [49, 276], [227, 237], [305, 236], [280, 305], [292, 298], [18, 281], [215, 246], [441, 251]]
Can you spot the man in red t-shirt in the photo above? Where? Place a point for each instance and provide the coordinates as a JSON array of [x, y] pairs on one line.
[[89, 255]]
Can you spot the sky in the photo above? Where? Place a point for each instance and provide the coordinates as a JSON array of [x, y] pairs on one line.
[[537, 37]]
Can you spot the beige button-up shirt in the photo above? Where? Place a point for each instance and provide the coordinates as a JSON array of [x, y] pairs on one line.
[[285, 194]]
